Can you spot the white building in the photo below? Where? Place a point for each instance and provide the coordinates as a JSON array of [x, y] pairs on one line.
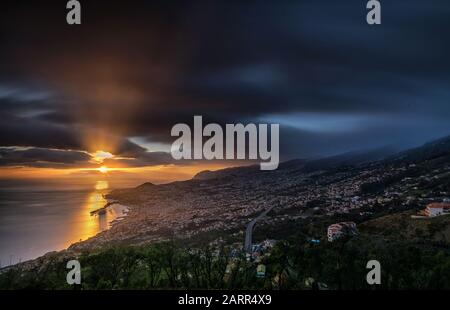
[[437, 208]]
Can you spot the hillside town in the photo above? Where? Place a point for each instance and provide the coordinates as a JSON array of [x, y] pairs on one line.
[[269, 229], [227, 200]]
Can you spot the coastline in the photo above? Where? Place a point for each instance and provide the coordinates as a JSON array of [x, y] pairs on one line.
[[125, 210], [72, 251]]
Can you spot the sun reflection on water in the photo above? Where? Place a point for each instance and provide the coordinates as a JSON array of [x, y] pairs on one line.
[[101, 185], [86, 225]]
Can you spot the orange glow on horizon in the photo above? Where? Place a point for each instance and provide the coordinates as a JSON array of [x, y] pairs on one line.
[[131, 175]]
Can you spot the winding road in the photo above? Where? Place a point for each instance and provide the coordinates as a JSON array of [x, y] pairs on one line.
[[249, 230]]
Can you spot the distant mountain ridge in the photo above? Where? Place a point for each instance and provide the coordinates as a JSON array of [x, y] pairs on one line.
[[430, 150], [433, 149]]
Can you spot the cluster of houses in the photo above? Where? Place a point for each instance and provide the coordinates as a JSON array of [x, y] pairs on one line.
[[260, 249]]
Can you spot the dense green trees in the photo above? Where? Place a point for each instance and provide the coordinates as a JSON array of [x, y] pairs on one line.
[[293, 264]]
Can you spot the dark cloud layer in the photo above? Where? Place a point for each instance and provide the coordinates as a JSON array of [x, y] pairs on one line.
[[39, 157], [134, 70]]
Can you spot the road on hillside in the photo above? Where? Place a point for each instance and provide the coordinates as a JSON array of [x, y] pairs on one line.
[[249, 230]]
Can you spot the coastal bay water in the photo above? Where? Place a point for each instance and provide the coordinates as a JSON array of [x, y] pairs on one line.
[[36, 220]]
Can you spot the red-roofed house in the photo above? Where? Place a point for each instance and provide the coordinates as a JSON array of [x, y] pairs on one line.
[[342, 229], [437, 208]]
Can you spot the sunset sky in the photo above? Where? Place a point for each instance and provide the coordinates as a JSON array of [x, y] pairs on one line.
[[101, 97]]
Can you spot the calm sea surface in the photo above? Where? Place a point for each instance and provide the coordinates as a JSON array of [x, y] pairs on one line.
[[36, 220]]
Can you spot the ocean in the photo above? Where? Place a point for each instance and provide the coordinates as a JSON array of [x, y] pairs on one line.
[[35, 220]]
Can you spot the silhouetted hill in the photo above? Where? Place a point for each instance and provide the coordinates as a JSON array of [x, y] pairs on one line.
[[354, 158], [227, 172], [146, 185], [302, 165], [428, 151]]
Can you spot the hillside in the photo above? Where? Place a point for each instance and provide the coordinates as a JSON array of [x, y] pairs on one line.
[[386, 155], [401, 226], [221, 203], [431, 150]]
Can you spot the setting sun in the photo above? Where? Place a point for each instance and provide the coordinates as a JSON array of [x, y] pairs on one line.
[[103, 169]]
